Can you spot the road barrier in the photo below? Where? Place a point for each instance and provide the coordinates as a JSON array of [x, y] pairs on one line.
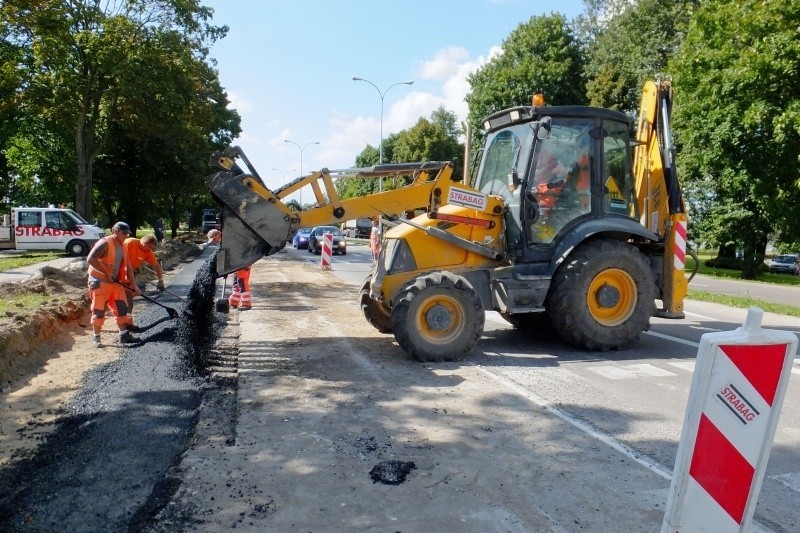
[[327, 251], [738, 387]]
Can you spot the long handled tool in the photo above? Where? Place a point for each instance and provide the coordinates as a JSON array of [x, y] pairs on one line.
[[173, 313], [222, 305], [181, 298]]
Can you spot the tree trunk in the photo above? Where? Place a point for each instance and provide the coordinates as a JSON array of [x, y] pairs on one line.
[[84, 156]]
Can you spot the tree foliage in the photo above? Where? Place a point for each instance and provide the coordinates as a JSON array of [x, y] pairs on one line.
[[434, 139], [633, 44], [739, 120], [98, 76], [540, 55]]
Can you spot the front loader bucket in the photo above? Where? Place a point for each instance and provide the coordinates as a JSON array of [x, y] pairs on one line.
[[240, 245], [252, 225]]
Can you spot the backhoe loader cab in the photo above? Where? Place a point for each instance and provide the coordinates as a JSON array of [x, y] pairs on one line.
[[574, 170]]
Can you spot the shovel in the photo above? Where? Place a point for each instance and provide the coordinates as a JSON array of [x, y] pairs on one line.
[[165, 290], [222, 305], [173, 313], [181, 298]]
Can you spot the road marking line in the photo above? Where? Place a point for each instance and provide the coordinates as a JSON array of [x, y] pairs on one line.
[[627, 451], [790, 480], [630, 371], [684, 365], [612, 372], [704, 317], [645, 369], [673, 339]]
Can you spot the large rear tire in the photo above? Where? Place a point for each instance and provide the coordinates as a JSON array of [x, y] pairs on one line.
[[438, 317], [602, 297], [372, 309]]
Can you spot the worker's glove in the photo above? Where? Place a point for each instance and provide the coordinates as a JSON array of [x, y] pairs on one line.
[[160, 286]]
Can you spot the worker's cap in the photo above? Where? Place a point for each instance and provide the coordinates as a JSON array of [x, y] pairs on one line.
[[123, 227]]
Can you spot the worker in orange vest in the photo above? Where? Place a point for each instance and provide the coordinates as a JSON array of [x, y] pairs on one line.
[[108, 264], [141, 252]]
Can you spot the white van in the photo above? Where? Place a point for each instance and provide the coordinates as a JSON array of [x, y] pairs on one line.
[[48, 228]]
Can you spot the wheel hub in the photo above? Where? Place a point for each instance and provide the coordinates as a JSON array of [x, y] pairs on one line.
[[607, 296], [438, 318]]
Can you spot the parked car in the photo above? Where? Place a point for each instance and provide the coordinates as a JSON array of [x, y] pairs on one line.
[[315, 240], [300, 239], [786, 264]]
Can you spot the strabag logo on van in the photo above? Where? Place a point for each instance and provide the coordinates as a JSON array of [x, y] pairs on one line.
[[36, 231], [466, 198]]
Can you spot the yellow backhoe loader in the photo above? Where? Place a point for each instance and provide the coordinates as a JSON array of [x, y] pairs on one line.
[[567, 223]]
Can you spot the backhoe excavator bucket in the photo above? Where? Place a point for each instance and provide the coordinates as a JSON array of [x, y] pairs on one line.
[[252, 226]]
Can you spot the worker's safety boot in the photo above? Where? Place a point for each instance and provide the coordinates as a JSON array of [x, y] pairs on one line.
[[127, 338]]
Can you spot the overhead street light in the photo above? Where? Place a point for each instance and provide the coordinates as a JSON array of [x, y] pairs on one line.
[[300, 192], [382, 94]]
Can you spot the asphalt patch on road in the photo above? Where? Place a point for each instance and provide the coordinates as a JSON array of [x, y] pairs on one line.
[[108, 464], [391, 472]]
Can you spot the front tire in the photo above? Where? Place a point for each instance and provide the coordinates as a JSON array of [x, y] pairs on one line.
[[602, 297], [438, 317]]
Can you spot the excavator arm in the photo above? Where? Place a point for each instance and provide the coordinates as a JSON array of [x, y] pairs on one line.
[[660, 201], [257, 223]]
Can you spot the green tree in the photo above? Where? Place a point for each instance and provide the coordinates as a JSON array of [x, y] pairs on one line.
[[432, 140], [540, 55], [86, 59], [737, 114], [428, 140], [628, 43], [169, 144]]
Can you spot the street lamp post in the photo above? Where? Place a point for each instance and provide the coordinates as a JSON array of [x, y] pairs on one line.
[[300, 192], [382, 94], [283, 173]]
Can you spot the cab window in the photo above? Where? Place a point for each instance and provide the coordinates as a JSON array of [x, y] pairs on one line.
[[616, 178]]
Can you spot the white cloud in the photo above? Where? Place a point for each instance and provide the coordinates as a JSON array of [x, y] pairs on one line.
[[239, 102], [449, 66], [445, 63], [349, 135]]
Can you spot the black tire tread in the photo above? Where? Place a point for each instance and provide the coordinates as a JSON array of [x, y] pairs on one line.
[[408, 339], [568, 310]]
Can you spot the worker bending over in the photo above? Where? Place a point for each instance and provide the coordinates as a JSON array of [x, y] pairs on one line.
[[141, 252]]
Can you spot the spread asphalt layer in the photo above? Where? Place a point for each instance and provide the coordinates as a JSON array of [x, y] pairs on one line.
[[104, 468]]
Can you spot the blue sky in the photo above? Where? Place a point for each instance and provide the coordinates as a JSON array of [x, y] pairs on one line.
[[287, 67]]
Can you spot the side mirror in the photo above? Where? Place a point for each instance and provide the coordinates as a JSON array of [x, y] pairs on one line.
[[543, 132]]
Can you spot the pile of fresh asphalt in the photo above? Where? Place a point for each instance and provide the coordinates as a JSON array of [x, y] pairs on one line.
[[105, 466]]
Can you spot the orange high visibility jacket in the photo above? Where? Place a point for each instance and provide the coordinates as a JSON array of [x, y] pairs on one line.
[[115, 264]]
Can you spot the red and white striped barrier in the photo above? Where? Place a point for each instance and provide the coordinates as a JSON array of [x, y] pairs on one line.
[[327, 251], [680, 245], [738, 386]]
